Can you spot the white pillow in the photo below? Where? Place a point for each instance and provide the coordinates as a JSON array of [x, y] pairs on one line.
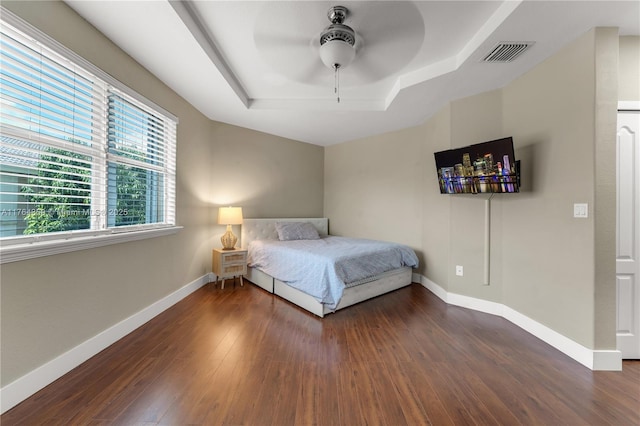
[[288, 231]]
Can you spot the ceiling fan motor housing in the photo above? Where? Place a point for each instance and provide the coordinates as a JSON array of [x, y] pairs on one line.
[[338, 32], [337, 41]]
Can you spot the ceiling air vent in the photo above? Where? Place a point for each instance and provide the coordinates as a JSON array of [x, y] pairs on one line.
[[507, 51]]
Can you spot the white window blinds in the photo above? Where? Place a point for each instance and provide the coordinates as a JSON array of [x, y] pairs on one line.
[[77, 153], [141, 163]]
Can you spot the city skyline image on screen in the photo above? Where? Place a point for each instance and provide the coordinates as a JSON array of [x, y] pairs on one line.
[[487, 167]]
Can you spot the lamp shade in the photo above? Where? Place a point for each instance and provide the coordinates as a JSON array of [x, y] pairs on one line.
[[230, 216], [337, 52]]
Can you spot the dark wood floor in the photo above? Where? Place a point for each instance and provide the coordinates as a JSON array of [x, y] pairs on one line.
[[241, 356]]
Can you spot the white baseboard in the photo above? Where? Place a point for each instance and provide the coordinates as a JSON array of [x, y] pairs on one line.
[[431, 286], [22, 388], [604, 360], [607, 360], [481, 305]]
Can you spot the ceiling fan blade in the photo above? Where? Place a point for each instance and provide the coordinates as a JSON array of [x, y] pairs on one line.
[[367, 69], [390, 34], [287, 54], [280, 40], [313, 72], [390, 21]]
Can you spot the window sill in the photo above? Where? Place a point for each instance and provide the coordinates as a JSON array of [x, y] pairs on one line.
[[18, 252]]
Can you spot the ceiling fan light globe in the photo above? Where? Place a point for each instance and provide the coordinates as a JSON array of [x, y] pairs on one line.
[[337, 52]]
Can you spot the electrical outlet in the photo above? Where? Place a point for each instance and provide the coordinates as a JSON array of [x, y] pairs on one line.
[[459, 270]]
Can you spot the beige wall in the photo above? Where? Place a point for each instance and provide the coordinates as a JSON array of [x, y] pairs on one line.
[[629, 72], [267, 175], [550, 258], [606, 54], [474, 120], [544, 263], [549, 266], [52, 304], [436, 219], [376, 195]]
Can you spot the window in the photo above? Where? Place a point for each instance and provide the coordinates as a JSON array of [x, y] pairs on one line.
[[80, 154], [138, 159]]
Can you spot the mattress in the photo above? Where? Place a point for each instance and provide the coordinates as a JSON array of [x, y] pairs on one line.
[[323, 268]]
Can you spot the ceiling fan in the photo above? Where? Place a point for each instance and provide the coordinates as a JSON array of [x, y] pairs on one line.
[[337, 44], [380, 39]]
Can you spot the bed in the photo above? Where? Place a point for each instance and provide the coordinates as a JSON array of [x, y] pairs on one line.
[[260, 237]]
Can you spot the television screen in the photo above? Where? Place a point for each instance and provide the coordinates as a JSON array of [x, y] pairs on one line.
[[488, 167]]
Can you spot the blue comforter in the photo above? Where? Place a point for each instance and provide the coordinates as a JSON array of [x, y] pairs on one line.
[[322, 268]]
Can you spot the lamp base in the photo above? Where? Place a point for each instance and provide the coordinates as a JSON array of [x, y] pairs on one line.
[[228, 239]]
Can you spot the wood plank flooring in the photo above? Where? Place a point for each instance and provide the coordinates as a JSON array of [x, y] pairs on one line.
[[241, 356]]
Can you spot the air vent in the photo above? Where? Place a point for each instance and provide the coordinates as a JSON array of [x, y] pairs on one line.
[[507, 51]]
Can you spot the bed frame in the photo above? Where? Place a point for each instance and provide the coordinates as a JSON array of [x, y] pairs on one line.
[[253, 229]]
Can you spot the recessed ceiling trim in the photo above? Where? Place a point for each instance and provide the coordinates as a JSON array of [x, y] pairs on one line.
[[452, 63], [319, 104], [489, 27], [189, 15], [421, 75], [192, 21]]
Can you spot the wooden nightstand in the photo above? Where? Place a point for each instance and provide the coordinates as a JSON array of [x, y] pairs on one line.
[[229, 264]]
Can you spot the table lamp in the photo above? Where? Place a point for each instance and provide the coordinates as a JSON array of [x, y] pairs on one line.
[[229, 216]]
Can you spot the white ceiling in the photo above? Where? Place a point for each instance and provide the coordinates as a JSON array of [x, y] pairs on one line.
[[255, 64]]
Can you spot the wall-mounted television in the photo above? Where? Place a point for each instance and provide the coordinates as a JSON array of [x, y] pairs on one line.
[[487, 167]]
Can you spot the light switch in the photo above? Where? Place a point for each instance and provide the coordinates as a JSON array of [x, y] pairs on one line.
[[581, 210]]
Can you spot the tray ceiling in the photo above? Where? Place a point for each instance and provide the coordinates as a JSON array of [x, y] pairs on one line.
[[256, 64]]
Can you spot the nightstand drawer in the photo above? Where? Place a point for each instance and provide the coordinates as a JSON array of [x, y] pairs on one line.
[[233, 270], [229, 258]]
